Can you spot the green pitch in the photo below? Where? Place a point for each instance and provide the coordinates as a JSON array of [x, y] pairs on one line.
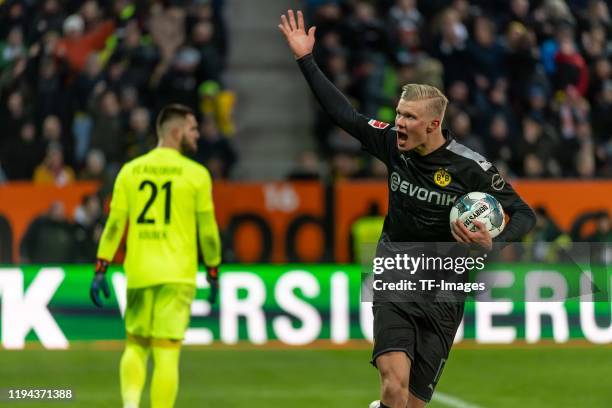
[[486, 377]]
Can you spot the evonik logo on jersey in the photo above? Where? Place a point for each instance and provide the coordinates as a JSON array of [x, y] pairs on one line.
[[420, 193]]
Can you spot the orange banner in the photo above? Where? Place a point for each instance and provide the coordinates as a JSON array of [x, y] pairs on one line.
[[294, 222], [566, 200], [273, 222]]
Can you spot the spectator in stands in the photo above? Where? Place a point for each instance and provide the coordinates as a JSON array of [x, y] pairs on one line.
[[600, 250], [49, 238], [459, 100], [128, 102], [537, 104], [516, 73], [500, 146], [48, 18], [77, 68], [14, 116], [461, 128], [179, 82], [571, 69], [602, 101], [52, 96], [210, 65], [545, 239], [139, 138], [485, 53], [25, 154], [107, 133], [521, 62], [53, 170], [307, 168], [533, 167], [137, 55], [538, 141], [366, 31], [603, 232], [95, 164], [52, 129], [585, 157], [13, 15], [572, 111], [12, 48], [80, 41], [215, 150], [52, 132], [88, 228], [597, 14], [519, 12], [451, 48], [87, 80], [345, 166], [405, 12]]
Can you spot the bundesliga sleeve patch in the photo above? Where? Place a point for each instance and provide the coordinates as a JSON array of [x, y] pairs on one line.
[[377, 124]]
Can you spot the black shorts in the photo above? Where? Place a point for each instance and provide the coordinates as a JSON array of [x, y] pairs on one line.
[[424, 331]]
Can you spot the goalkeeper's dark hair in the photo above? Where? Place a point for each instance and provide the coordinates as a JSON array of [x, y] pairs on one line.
[[171, 112]]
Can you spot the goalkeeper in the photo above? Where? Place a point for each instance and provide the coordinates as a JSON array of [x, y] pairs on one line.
[[166, 200]]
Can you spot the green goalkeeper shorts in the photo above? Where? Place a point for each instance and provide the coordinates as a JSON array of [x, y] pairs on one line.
[[161, 311]]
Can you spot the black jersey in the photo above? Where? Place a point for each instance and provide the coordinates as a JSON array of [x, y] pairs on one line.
[[422, 189]]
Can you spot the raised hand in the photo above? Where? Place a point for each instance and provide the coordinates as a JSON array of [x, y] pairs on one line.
[[300, 41]]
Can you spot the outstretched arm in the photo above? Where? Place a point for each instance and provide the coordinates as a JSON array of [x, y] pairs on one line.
[[330, 98], [369, 132]]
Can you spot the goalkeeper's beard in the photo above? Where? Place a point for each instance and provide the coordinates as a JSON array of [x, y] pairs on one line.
[[188, 148]]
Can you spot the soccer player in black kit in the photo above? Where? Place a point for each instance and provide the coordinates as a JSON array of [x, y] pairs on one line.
[[428, 171]]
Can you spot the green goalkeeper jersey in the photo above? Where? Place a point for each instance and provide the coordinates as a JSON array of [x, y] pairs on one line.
[[162, 193]]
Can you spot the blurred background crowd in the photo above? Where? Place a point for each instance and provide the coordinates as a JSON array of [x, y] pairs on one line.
[[528, 81], [81, 83]]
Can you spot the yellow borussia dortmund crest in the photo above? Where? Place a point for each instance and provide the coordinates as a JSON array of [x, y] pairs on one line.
[[442, 177]]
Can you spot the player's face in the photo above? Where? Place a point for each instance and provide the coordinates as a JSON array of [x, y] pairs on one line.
[[411, 122], [189, 140]]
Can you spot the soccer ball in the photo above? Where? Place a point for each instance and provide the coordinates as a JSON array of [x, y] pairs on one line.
[[375, 404], [482, 207]]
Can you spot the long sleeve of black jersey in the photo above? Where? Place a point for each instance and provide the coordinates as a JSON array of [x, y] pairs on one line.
[[376, 137], [522, 217], [522, 220]]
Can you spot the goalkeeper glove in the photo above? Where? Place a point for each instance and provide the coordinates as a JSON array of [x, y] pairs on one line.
[[99, 283], [212, 276]]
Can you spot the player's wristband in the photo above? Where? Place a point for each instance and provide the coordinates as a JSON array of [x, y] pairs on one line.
[[213, 272], [101, 265]]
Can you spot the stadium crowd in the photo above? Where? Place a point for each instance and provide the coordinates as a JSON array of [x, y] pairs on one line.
[[82, 81], [529, 85], [529, 81]]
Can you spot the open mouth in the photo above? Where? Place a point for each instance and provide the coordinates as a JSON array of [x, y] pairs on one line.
[[402, 138]]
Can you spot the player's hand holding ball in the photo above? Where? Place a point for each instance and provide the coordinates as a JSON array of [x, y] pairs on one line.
[[300, 41], [477, 218]]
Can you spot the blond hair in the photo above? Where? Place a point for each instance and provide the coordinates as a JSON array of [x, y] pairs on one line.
[[420, 92]]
